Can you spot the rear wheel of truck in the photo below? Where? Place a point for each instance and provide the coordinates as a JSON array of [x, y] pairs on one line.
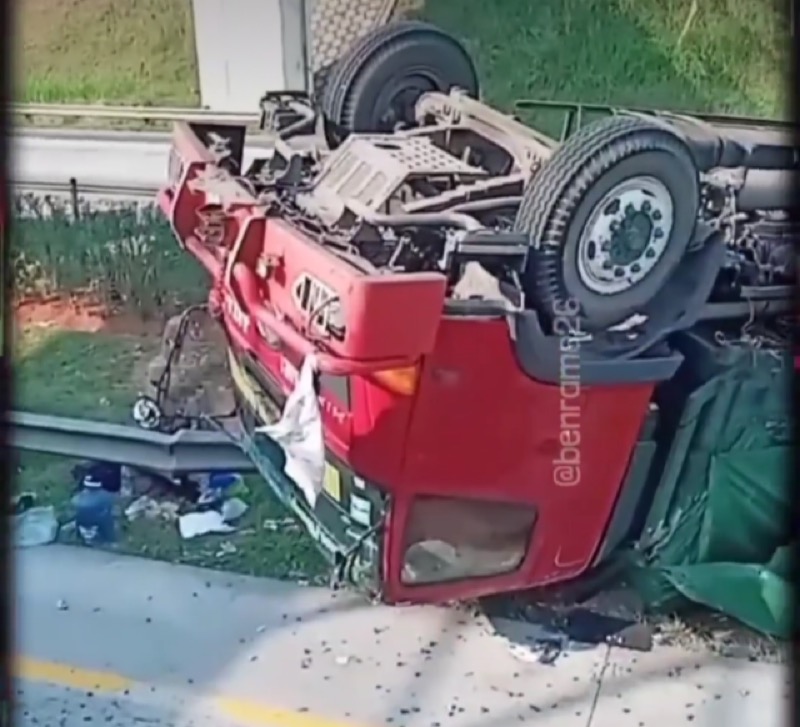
[[374, 87], [610, 216]]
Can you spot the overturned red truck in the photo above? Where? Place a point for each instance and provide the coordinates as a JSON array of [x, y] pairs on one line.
[[510, 328]]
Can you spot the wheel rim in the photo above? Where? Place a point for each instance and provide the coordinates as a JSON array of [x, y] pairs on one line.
[[625, 236], [394, 109]]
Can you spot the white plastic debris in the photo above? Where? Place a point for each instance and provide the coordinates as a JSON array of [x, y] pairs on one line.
[[232, 509], [299, 434], [282, 524], [225, 548], [146, 506], [35, 526], [193, 524]]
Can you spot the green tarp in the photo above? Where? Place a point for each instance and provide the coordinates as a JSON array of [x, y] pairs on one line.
[[719, 533]]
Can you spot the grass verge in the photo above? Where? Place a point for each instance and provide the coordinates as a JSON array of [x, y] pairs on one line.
[[123, 255], [73, 51], [71, 361], [715, 55], [97, 375], [732, 57]]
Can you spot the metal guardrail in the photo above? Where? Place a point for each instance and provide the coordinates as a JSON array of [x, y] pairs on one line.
[[182, 452], [91, 190], [130, 113]]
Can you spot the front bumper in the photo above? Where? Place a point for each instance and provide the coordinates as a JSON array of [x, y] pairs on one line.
[[346, 521]]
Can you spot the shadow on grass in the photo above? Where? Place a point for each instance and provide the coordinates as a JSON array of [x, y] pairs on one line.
[[78, 374]]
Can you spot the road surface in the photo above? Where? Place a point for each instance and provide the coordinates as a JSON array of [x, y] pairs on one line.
[[115, 640]]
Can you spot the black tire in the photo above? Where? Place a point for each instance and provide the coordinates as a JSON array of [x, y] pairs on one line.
[[561, 197], [321, 81], [407, 57]]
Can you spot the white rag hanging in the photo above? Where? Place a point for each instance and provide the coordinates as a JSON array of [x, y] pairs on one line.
[[299, 434]]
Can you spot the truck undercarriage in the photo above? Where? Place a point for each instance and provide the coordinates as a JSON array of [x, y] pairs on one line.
[[507, 329]]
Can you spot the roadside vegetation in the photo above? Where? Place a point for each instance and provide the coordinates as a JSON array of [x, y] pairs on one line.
[[122, 264], [92, 298], [69, 361], [717, 55], [101, 51]]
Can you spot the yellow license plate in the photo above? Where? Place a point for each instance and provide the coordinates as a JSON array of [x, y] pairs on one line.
[[332, 483]]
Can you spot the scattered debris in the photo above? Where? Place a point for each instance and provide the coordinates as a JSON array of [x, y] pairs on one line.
[[193, 524], [22, 502], [233, 509], [285, 523], [35, 526], [136, 482], [225, 548], [151, 509], [200, 505], [543, 632]]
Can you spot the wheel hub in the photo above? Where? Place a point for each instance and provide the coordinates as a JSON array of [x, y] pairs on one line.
[[396, 104], [625, 236]]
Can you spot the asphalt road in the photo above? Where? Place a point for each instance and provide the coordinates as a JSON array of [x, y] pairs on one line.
[[106, 639]]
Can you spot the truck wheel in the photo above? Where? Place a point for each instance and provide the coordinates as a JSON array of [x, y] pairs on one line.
[[374, 87], [610, 216]]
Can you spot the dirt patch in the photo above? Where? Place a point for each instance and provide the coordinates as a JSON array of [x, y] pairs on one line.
[[80, 314], [199, 378]]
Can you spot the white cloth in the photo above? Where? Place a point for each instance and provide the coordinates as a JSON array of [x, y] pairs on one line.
[[299, 434], [193, 524]]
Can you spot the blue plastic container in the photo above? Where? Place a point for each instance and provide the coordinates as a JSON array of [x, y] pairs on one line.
[[94, 513], [223, 481], [219, 487]]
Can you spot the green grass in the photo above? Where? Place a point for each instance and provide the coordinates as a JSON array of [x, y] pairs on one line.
[[732, 56], [72, 51], [74, 373], [94, 375], [124, 257], [732, 59]]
